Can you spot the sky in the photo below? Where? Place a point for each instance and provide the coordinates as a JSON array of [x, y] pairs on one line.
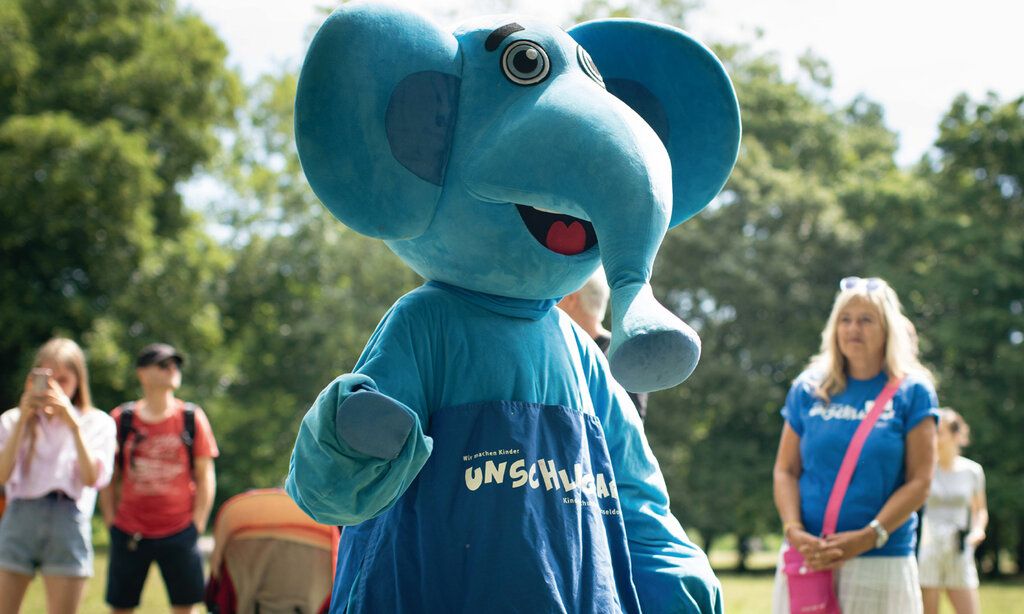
[[912, 56]]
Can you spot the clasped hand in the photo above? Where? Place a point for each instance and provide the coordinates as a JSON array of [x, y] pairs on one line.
[[830, 552]]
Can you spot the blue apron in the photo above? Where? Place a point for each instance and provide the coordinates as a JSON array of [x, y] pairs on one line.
[[523, 488]]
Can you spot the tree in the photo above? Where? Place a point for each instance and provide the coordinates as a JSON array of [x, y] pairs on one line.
[[106, 107], [958, 244], [301, 297], [755, 274]]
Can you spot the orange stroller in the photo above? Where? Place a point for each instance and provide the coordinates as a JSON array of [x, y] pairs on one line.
[[269, 557]]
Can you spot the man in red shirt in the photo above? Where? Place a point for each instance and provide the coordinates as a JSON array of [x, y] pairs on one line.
[[166, 477]]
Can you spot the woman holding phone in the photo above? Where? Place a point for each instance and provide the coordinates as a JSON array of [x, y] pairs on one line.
[[56, 450]]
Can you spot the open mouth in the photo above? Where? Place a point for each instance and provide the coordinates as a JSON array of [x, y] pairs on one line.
[[562, 234]]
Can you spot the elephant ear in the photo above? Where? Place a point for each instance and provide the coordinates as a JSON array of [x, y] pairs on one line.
[[374, 115], [681, 89]]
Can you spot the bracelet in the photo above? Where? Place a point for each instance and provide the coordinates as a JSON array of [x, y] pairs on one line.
[[791, 524]]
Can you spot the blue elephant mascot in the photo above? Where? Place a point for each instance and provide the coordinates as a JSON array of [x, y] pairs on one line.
[[480, 455]]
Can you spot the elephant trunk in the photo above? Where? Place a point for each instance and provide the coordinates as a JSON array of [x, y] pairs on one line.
[[651, 348]]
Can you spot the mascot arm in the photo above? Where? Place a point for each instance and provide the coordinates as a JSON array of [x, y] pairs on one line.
[[671, 574], [359, 446]]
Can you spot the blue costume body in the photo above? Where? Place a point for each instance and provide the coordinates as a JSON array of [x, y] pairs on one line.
[[480, 454], [531, 472]]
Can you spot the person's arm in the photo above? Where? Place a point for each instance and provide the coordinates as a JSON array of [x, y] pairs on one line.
[[110, 493], [9, 451], [206, 486], [919, 464], [88, 470], [108, 500], [979, 513], [786, 479], [25, 421], [786, 492]]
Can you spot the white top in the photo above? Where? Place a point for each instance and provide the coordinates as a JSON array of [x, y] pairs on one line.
[[55, 462], [948, 508]]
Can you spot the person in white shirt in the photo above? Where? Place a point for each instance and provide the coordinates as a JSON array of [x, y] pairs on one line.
[[56, 450], [955, 518]]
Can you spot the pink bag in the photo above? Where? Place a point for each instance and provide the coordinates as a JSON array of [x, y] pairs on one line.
[[810, 592], [814, 592]]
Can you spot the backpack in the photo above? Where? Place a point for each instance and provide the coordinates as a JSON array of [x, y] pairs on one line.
[[124, 427]]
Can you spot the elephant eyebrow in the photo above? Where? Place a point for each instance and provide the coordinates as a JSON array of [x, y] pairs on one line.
[[494, 38]]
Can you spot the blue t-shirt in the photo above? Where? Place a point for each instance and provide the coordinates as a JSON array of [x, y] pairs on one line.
[[825, 432]]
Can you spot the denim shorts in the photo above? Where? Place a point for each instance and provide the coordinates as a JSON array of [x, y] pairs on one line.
[[49, 534]]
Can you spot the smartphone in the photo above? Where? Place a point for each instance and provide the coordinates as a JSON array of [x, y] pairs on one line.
[[40, 380]]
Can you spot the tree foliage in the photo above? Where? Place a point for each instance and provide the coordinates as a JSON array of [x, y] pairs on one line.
[[301, 298], [106, 106], [815, 196], [755, 274], [962, 253]]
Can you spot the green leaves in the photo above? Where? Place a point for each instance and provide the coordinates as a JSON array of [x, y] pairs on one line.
[[105, 106]]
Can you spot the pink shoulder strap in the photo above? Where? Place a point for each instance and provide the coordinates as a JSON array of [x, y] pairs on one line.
[[835, 500]]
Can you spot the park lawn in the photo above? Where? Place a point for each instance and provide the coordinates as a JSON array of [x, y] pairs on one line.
[[154, 597], [744, 594], [752, 594]]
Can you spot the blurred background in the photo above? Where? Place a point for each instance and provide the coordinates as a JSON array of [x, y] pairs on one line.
[[150, 190]]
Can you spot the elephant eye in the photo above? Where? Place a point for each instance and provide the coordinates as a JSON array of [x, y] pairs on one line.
[[525, 63], [588, 66]]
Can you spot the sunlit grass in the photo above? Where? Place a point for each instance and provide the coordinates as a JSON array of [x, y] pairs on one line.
[[744, 594], [154, 597]]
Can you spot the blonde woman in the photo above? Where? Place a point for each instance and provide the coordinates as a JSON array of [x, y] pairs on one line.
[[864, 345], [56, 450], [954, 522]]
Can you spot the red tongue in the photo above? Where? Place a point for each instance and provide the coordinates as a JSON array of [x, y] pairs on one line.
[[567, 240]]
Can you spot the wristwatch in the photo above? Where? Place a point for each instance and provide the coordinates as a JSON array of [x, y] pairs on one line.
[[881, 535]]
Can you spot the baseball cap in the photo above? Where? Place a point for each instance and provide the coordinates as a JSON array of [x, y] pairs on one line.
[[157, 352]]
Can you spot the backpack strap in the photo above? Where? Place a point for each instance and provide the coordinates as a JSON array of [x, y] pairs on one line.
[[124, 427], [188, 435]]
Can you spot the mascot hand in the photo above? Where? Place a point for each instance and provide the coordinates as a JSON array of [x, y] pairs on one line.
[[373, 424], [357, 452]]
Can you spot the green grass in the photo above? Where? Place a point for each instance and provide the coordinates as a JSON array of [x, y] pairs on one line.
[[744, 594], [154, 597]]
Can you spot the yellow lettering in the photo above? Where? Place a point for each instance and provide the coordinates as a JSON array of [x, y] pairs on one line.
[[474, 477], [494, 473], [548, 473], [517, 474]]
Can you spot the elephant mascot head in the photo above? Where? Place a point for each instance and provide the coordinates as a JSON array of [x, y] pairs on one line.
[[511, 157]]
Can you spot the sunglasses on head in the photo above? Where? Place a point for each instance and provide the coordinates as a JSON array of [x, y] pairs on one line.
[[868, 284]]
